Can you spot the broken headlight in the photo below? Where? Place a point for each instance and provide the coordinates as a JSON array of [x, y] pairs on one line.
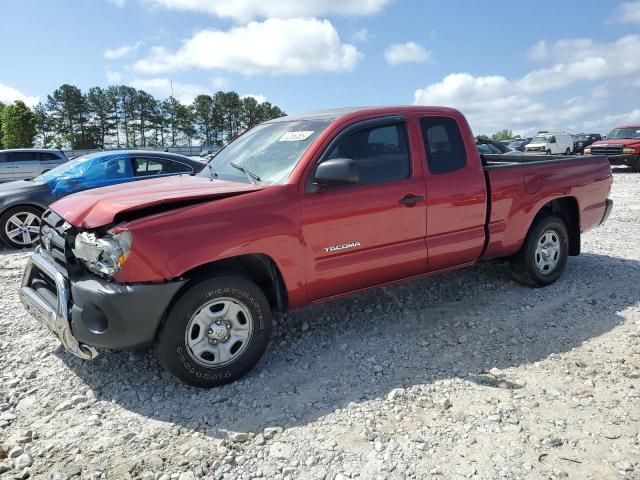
[[103, 255]]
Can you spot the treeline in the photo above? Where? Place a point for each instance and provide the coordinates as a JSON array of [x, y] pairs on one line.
[[121, 116]]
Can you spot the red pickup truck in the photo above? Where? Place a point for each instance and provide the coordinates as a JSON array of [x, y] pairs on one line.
[[296, 211], [622, 146]]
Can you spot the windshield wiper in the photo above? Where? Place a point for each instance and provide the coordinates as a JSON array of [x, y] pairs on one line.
[[253, 178], [212, 174]]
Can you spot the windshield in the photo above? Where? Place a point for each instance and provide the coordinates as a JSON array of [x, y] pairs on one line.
[[631, 133], [269, 152], [89, 171], [72, 168], [540, 139]]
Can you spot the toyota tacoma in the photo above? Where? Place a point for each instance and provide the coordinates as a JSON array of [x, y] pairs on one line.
[[296, 211]]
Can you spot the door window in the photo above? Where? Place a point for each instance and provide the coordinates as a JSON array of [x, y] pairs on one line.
[[381, 153], [22, 156], [443, 144], [47, 156], [145, 167]]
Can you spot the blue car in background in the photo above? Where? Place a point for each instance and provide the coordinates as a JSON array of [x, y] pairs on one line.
[[23, 202]]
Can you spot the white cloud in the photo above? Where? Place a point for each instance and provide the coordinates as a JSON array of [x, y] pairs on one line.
[[538, 52], [492, 103], [601, 91], [9, 95], [245, 10], [114, 77], [259, 98], [361, 36], [583, 59], [161, 87], [496, 102], [276, 46], [120, 52], [610, 121], [629, 12], [409, 52], [220, 82]]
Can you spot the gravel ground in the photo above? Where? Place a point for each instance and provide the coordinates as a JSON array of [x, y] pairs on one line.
[[465, 375]]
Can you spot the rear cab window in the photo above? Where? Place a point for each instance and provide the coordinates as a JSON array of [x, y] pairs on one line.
[[443, 144]]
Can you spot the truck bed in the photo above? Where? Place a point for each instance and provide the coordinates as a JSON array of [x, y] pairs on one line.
[[520, 184], [495, 160]]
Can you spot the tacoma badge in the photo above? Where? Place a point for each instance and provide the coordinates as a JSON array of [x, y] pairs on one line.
[[344, 246]]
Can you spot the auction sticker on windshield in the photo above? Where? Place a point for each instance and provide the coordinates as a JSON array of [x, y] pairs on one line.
[[296, 136]]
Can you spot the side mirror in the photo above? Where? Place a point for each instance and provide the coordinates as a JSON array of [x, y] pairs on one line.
[[337, 171]]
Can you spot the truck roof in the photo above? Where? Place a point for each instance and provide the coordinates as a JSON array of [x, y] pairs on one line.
[[336, 113]]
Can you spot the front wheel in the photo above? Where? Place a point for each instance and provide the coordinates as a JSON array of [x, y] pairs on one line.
[[20, 226], [543, 257], [216, 332], [567, 152], [548, 152]]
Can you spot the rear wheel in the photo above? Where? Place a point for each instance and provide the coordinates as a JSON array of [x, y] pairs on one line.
[[216, 332], [20, 226], [548, 152], [543, 256], [567, 152]]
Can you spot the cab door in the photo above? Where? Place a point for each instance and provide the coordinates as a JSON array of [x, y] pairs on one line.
[[456, 193], [371, 232]]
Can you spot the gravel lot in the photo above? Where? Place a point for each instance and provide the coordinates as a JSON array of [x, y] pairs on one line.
[[466, 375]]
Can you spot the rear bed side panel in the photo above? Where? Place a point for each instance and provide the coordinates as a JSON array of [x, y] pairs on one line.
[[519, 192]]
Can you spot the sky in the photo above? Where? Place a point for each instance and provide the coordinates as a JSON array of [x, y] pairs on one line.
[[570, 65]]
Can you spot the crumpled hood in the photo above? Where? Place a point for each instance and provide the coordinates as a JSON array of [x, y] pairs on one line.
[[627, 142], [99, 207]]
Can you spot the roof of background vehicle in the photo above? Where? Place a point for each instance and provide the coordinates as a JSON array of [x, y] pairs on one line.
[[629, 126], [168, 155], [32, 150], [335, 113]]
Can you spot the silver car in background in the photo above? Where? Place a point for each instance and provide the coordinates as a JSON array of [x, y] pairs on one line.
[[27, 163]]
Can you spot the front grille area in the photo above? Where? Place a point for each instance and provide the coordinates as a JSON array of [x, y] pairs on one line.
[[606, 150], [52, 236]]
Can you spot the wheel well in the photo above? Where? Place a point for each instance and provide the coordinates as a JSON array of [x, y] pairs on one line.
[[10, 207], [567, 209], [259, 268]]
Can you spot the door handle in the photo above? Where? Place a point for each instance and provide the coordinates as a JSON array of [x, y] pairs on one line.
[[410, 200]]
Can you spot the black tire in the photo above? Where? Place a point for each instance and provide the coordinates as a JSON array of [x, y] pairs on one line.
[[21, 211], [524, 266], [174, 351], [635, 164], [567, 152], [548, 152]]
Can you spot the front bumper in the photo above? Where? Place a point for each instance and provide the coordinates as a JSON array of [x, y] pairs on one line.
[[625, 159], [89, 314]]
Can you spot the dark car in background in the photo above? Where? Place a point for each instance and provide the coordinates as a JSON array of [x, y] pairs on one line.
[[583, 140], [27, 163], [23, 202], [519, 144], [486, 146]]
